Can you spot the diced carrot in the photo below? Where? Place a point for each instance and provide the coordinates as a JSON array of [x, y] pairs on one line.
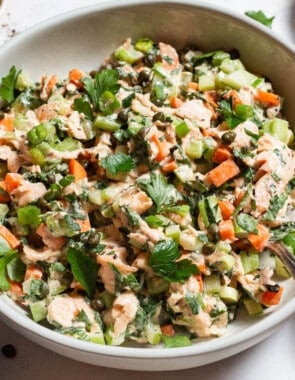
[[225, 171], [267, 97], [75, 76], [199, 278], [33, 271], [162, 148], [51, 83], [16, 288], [226, 208], [170, 60], [77, 170], [175, 102], [211, 97], [193, 86], [221, 154], [271, 298], [4, 198], [84, 224], [7, 122], [169, 166], [12, 181], [202, 268], [226, 230], [260, 239], [9, 237], [167, 330], [236, 99]]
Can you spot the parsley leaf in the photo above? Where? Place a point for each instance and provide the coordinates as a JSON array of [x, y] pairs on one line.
[[234, 117], [8, 84], [276, 203], [247, 222], [83, 105], [163, 261], [105, 80], [159, 190], [119, 162], [260, 17], [195, 302], [4, 261], [84, 269]]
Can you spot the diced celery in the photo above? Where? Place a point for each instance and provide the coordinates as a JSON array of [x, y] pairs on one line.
[[212, 284], [184, 173], [206, 82], [280, 269], [229, 65], [38, 310], [278, 128], [250, 261], [182, 129], [144, 44], [225, 263], [3, 212], [95, 197], [223, 246], [157, 285], [106, 124], [134, 127], [173, 232], [153, 332], [189, 242], [209, 145], [67, 145], [229, 294], [37, 157], [23, 81], [186, 78], [113, 340], [29, 215], [194, 149], [253, 308], [61, 105], [289, 240], [55, 287], [239, 78], [129, 55], [97, 337], [219, 56]]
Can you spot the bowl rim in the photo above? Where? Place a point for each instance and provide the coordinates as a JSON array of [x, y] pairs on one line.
[[269, 322]]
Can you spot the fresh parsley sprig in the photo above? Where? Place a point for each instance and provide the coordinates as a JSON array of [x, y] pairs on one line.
[[260, 17], [235, 116], [7, 86]]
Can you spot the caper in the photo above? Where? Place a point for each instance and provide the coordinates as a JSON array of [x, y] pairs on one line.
[[149, 60], [159, 116], [144, 76], [123, 115], [189, 67], [228, 137], [35, 240], [98, 304], [2, 115], [234, 54], [158, 102], [94, 240], [213, 232], [67, 278], [208, 248], [273, 288], [93, 73]]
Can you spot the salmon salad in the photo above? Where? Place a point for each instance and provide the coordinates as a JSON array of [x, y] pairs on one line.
[[149, 201]]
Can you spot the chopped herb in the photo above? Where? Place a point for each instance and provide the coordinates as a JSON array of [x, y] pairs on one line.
[[247, 222], [82, 105], [234, 117], [7, 86], [118, 163], [84, 269], [260, 17], [276, 203], [4, 261], [195, 301]]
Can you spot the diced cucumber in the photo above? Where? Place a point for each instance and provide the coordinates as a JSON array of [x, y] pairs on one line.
[[229, 65], [129, 55], [194, 149], [38, 310], [225, 263], [280, 269], [153, 332], [239, 78], [250, 261], [173, 232], [190, 242], [229, 294], [184, 173], [106, 124], [157, 285], [253, 308], [212, 284], [206, 82], [278, 128]]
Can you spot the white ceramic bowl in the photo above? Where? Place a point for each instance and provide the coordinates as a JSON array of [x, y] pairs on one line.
[[83, 38]]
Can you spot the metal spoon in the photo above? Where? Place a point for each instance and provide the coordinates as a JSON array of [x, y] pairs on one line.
[[284, 254]]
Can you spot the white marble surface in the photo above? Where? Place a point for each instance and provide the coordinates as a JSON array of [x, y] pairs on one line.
[[272, 359]]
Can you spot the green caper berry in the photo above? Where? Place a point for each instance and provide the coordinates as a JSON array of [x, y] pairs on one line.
[[98, 304], [149, 59], [123, 115], [67, 278], [213, 232], [228, 137], [144, 76], [208, 248], [159, 116], [158, 102]]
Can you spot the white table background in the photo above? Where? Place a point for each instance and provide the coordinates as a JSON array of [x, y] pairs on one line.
[[272, 359]]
